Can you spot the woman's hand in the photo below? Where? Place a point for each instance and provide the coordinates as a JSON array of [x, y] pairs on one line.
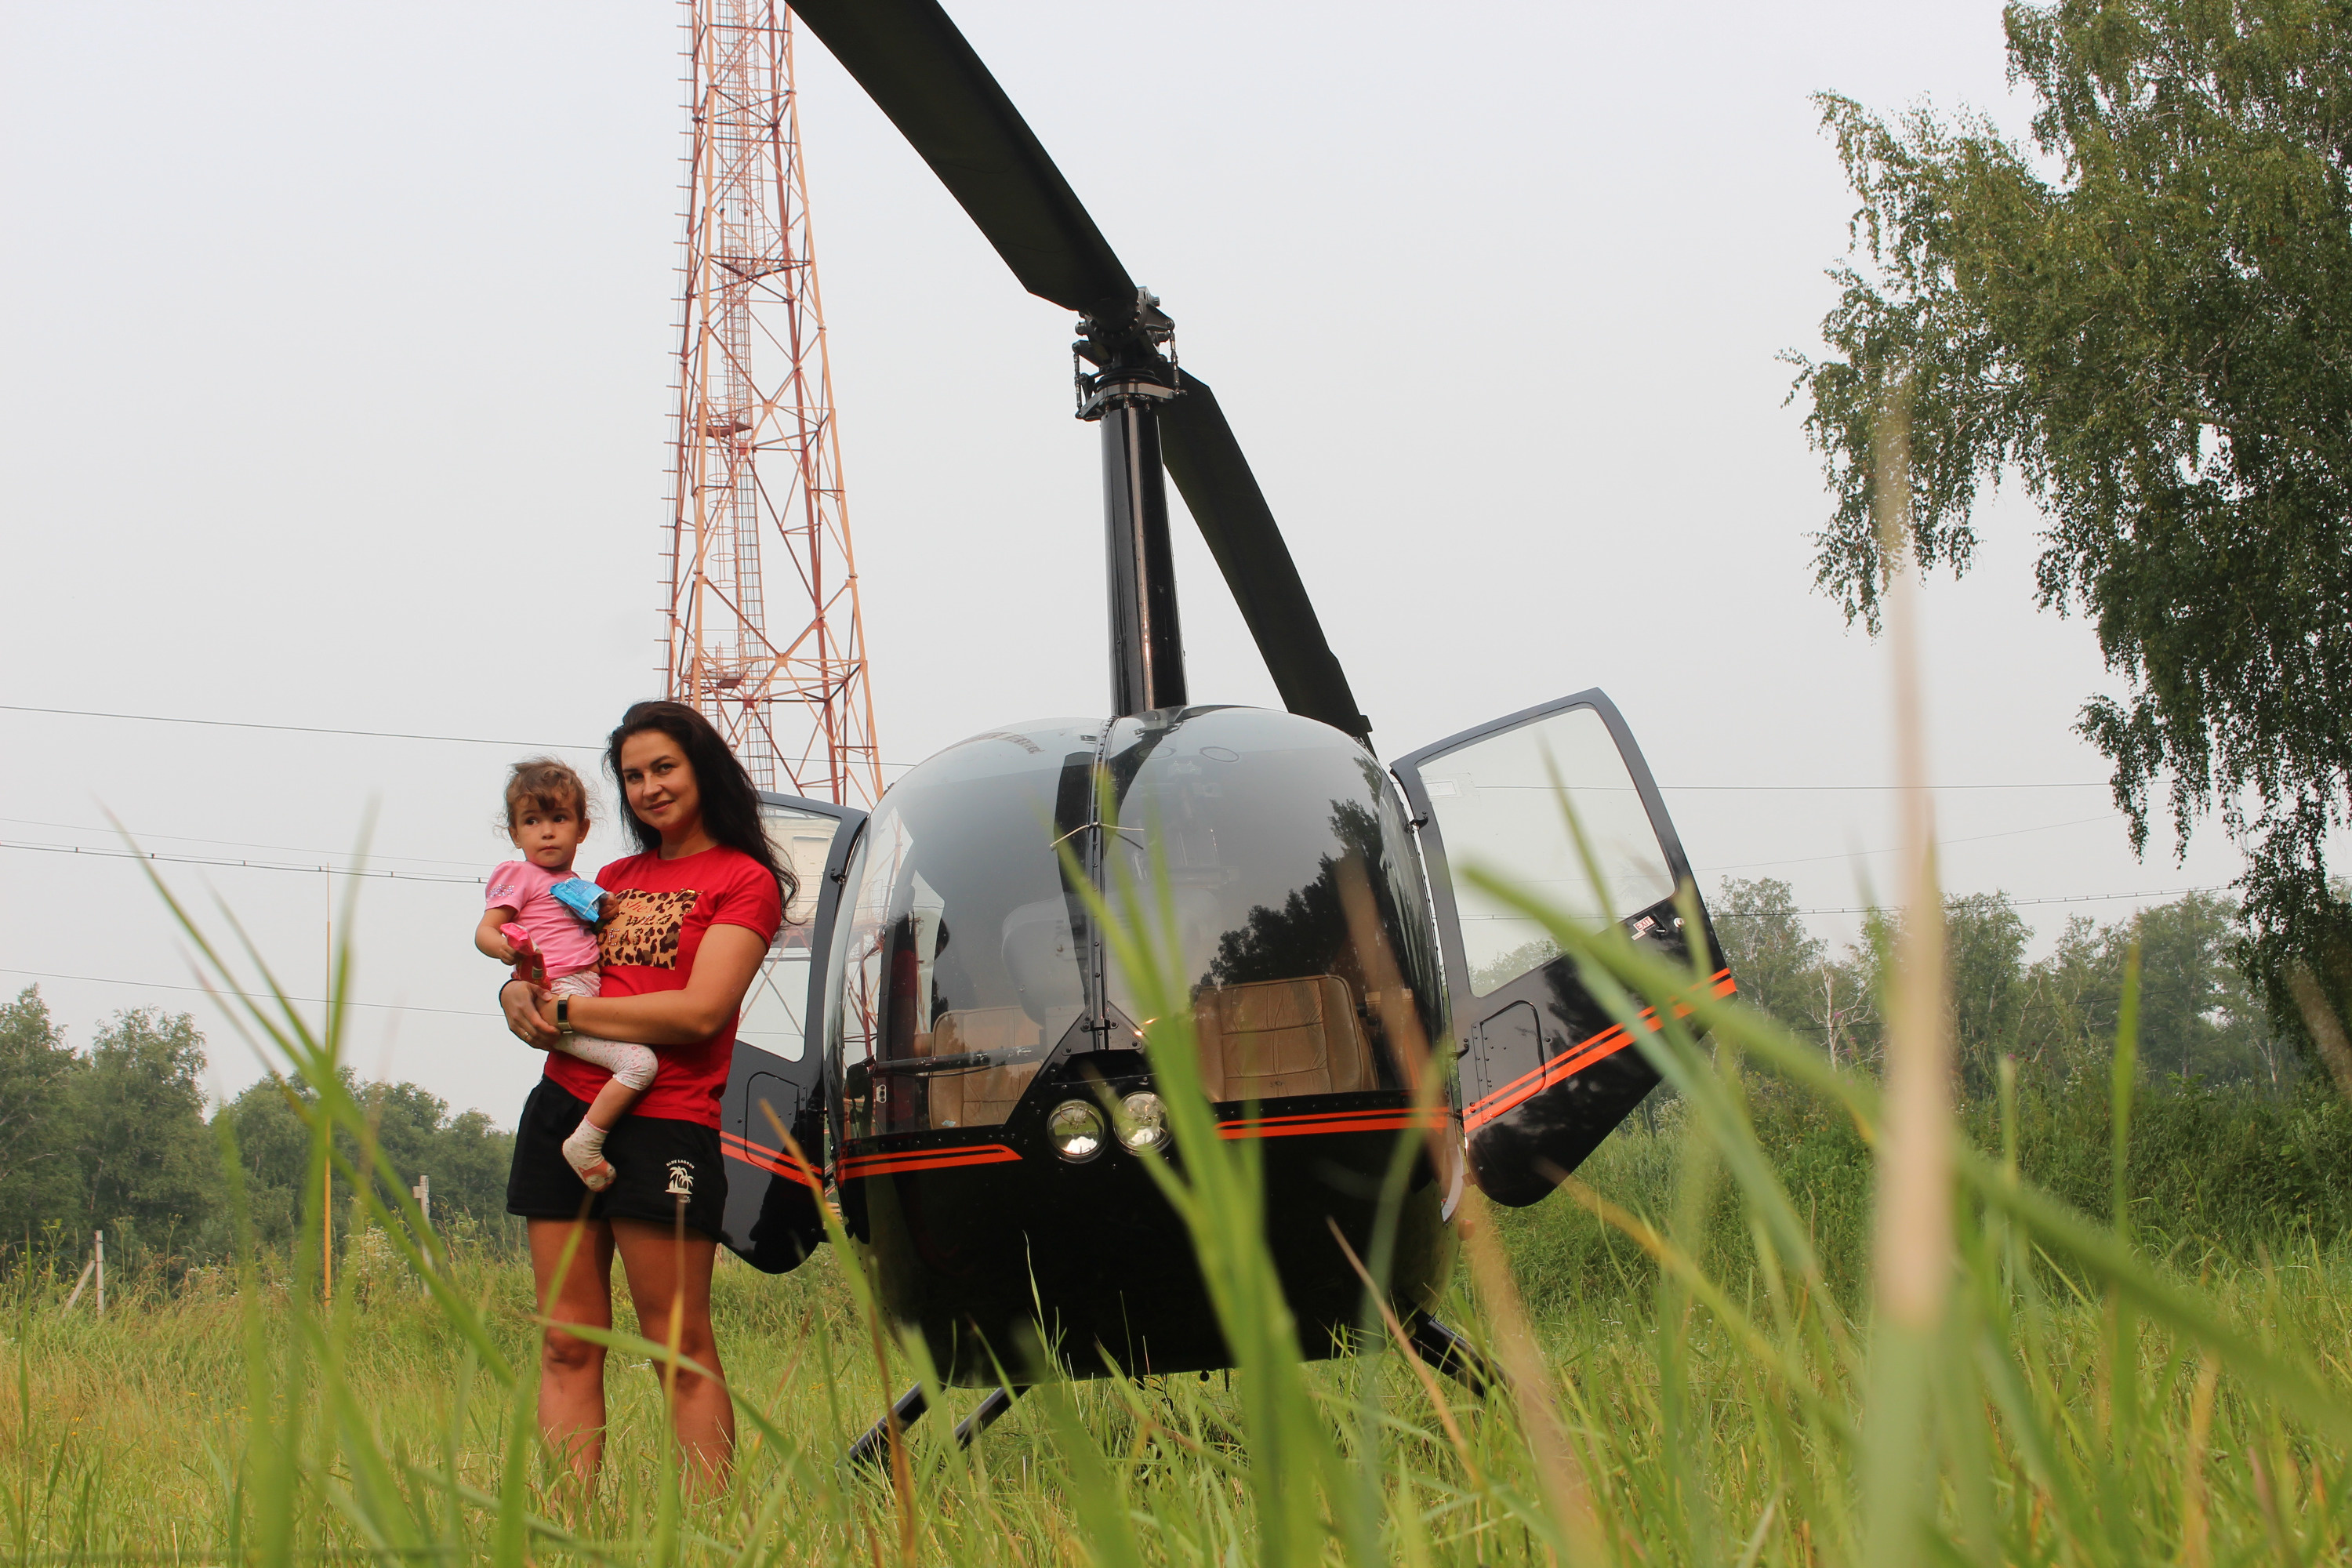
[[529, 1014], [724, 968]]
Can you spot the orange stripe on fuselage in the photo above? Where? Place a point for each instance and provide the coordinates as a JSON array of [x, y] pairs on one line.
[[776, 1161], [1373, 1120], [925, 1159], [1566, 1065]]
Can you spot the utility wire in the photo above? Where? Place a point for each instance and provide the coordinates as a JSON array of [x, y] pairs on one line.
[[1882, 789], [243, 864], [1940, 843], [297, 728], [232, 843], [249, 995], [313, 870], [572, 746], [250, 864]]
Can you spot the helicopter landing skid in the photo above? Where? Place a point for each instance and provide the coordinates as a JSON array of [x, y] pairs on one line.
[[1450, 1353], [910, 1407]]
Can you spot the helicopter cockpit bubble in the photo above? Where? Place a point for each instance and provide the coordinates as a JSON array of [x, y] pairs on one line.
[[954, 981], [1255, 824], [996, 1108], [1259, 821], [1040, 949]]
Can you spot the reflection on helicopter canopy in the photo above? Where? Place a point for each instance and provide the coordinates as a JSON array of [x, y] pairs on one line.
[[970, 963]]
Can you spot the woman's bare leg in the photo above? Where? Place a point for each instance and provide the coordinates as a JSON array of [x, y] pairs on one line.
[[572, 1370], [669, 1271]]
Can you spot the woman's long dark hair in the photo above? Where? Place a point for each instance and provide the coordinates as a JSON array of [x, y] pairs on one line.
[[731, 804]]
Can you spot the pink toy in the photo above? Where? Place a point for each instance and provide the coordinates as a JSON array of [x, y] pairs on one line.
[[529, 965]]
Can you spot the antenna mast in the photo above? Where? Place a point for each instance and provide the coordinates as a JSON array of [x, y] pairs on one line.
[[756, 493]]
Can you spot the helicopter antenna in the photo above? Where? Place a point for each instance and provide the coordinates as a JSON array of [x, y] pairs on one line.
[[756, 456]]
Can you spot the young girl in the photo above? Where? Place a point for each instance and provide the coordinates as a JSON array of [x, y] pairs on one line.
[[541, 918]]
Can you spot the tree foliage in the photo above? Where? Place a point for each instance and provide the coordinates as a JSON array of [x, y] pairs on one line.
[[2147, 317], [2199, 1022], [148, 1167], [467, 1155], [120, 1137], [1764, 940], [36, 1153]]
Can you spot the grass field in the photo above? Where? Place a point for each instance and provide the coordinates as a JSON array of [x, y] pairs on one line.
[[1812, 1318], [130, 1437]]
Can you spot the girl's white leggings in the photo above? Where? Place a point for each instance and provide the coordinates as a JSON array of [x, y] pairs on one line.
[[632, 1066]]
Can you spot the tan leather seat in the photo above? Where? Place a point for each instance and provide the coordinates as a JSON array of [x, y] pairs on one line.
[[983, 1097], [1273, 1038]]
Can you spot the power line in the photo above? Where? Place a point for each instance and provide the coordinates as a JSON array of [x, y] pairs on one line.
[[247, 995], [572, 746], [361, 734], [1940, 843], [248, 865], [296, 729], [1889, 788], [242, 865], [232, 843]]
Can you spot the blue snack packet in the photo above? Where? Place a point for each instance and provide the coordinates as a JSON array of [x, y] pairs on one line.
[[581, 896]]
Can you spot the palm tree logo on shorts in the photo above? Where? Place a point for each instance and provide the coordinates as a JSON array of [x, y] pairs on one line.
[[682, 1178]]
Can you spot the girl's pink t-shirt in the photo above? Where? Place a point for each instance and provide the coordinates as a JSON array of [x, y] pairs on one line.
[[566, 944], [656, 913]]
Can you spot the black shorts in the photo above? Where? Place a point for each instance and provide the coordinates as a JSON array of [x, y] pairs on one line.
[[659, 1159]]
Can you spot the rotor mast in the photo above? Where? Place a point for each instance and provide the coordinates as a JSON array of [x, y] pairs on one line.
[[1123, 396], [776, 659]]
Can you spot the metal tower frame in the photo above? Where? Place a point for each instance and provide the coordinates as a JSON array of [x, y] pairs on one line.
[[775, 658]]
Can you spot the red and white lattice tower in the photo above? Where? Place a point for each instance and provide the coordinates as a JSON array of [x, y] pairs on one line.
[[764, 634]]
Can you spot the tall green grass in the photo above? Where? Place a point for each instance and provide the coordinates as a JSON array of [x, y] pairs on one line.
[[130, 1435], [1698, 1379]]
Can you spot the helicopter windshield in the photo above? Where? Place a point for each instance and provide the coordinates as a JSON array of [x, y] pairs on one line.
[[1301, 922], [960, 971], [1304, 929]]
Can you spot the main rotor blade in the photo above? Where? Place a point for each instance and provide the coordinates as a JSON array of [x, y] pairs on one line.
[[1206, 462], [916, 66]]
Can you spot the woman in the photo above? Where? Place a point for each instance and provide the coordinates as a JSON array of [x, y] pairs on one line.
[[686, 925]]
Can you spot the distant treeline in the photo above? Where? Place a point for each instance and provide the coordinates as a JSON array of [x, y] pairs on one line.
[[2200, 1021], [117, 1137], [2237, 1147]]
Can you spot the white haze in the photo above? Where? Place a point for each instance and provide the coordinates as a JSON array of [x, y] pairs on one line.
[[338, 340]]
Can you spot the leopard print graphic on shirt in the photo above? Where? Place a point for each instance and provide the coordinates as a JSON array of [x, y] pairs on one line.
[[641, 928]]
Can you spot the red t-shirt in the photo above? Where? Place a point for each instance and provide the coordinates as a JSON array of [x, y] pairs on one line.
[[654, 922]]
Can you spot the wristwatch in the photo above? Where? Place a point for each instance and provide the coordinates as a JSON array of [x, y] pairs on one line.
[[563, 1014]]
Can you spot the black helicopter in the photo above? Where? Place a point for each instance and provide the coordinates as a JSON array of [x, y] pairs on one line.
[[940, 1024]]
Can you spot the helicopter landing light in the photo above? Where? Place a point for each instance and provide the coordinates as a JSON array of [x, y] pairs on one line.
[[1076, 1130], [1142, 1121]]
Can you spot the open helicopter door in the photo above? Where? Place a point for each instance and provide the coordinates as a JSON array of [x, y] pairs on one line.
[[772, 1219], [1546, 1073]]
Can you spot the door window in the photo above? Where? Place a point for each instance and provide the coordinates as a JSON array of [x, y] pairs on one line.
[[1502, 805], [772, 1011], [770, 1217]]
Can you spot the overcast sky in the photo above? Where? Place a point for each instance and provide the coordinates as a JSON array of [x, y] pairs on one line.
[[337, 339]]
